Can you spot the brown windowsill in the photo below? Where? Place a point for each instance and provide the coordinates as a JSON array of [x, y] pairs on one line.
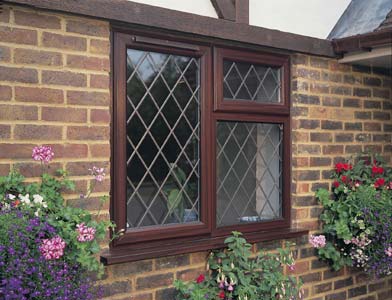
[[116, 256]]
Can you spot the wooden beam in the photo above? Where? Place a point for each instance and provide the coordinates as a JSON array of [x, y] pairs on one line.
[[242, 11], [225, 9], [130, 13]]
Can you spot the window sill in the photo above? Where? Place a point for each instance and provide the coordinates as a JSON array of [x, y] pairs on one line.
[[131, 253]]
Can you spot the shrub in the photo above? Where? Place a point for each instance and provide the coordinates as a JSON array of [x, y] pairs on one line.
[[47, 249], [234, 275], [357, 225]]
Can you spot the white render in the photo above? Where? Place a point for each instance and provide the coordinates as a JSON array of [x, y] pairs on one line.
[[314, 18], [199, 7]]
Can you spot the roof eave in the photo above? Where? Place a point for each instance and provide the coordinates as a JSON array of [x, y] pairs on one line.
[[363, 42]]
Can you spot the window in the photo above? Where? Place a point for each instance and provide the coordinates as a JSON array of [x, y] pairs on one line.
[[193, 160]]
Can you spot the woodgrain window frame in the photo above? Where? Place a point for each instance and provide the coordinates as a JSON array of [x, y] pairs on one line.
[[184, 238]]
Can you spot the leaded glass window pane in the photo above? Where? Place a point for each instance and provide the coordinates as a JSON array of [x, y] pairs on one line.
[[252, 82], [249, 172], [163, 137]]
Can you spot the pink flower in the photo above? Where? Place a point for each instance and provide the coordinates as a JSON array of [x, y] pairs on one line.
[[291, 267], [43, 154], [388, 251], [86, 234], [336, 184], [317, 241], [52, 248], [98, 173]]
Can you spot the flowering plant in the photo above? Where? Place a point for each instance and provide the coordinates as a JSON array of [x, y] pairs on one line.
[[47, 249], [357, 225], [234, 275]]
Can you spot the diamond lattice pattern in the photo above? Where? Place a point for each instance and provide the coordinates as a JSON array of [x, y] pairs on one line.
[[252, 82], [163, 124], [249, 172]]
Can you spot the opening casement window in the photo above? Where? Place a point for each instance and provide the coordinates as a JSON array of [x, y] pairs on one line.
[[201, 145]]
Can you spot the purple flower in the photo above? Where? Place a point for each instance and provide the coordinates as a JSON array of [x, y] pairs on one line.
[[98, 173], [43, 154], [317, 241]]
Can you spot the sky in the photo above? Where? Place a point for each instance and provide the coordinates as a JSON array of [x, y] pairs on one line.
[[314, 18]]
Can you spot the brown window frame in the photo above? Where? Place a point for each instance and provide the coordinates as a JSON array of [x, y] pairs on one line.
[[184, 238]]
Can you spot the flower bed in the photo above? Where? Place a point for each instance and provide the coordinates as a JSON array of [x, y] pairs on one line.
[[47, 249], [357, 217]]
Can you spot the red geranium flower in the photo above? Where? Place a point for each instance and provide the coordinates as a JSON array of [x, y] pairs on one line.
[[200, 279], [379, 182], [336, 184], [342, 167], [344, 178], [221, 295], [377, 170]]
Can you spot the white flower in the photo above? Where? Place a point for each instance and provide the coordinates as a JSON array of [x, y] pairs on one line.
[[25, 199], [38, 199], [11, 197], [37, 212]]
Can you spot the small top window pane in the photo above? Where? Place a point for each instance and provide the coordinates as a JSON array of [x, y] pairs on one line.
[[251, 82]]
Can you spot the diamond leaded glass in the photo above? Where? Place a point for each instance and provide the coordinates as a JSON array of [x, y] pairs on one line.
[[163, 128], [249, 172], [252, 82]]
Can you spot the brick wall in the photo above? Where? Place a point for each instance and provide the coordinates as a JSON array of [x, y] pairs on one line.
[[54, 89]]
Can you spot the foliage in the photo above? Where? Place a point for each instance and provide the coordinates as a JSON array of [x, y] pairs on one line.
[[357, 216], [60, 256], [234, 274]]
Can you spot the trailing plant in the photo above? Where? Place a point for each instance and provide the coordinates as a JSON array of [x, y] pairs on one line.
[[357, 226], [47, 249], [235, 275]]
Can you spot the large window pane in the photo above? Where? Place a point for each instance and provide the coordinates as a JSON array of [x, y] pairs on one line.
[[252, 82], [249, 172], [163, 128]]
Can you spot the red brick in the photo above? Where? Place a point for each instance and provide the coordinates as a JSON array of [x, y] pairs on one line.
[[190, 274], [5, 93], [64, 42], [70, 150], [128, 269], [100, 116], [336, 66], [88, 133], [88, 98], [18, 36], [16, 151], [31, 169], [64, 114], [33, 19], [117, 287], [64, 78], [333, 149], [100, 150], [18, 74], [18, 112], [5, 15], [81, 168], [5, 131], [37, 132], [99, 81], [154, 281], [4, 168], [319, 62], [5, 54], [88, 28], [88, 63], [40, 95], [99, 47], [89, 204], [28, 56], [171, 262]]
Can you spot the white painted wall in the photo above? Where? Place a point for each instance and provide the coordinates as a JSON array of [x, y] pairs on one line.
[[314, 18], [199, 7], [307, 17]]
